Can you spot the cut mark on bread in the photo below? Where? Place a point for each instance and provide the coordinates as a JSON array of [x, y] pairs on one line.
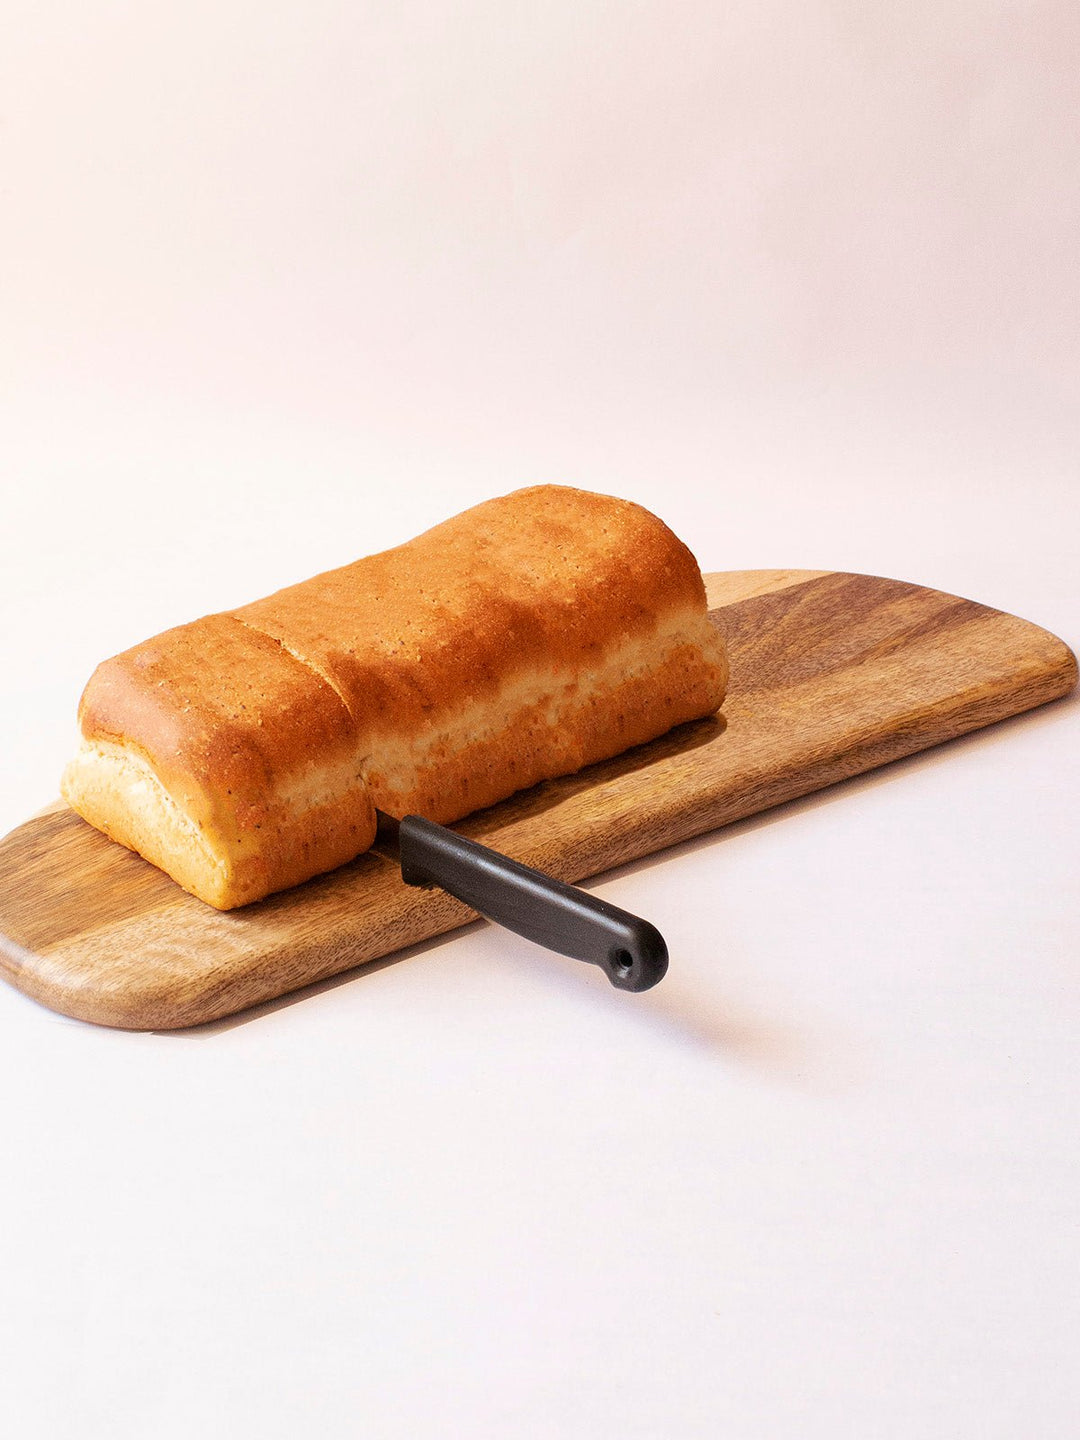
[[300, 659]]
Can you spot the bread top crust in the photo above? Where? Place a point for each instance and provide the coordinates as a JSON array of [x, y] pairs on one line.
[[548, 575], [224, 715]]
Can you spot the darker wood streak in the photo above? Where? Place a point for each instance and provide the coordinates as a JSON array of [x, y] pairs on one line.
[[831, 623]]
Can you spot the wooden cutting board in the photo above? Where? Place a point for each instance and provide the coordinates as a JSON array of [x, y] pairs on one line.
[[831, 675]]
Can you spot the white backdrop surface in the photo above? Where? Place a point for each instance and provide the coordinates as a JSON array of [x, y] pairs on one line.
[[283, 284]]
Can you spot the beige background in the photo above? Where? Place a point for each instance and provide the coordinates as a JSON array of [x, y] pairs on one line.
[[281, 284]]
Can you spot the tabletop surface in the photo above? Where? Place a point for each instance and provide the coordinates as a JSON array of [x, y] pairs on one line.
[[285, 286]]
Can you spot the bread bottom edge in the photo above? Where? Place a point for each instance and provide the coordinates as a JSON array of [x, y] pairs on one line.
[[118, 792]]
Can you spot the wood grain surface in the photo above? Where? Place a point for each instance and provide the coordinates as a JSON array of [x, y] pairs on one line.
[[832, 674]]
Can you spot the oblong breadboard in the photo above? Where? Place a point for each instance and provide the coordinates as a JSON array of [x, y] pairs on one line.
[[832, 674]]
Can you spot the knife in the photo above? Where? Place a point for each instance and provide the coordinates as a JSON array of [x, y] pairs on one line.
[[630, 951]]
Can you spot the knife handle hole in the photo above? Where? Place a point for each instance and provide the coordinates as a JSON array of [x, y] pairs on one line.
[[622, 962]]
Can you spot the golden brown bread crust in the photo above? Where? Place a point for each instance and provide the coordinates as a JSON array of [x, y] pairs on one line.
[[236, 731], [527, 637]]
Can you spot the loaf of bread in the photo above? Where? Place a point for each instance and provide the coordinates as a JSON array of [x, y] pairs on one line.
[[531, 635]]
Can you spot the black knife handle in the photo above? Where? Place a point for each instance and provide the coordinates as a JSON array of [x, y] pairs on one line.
[[631, 951]]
